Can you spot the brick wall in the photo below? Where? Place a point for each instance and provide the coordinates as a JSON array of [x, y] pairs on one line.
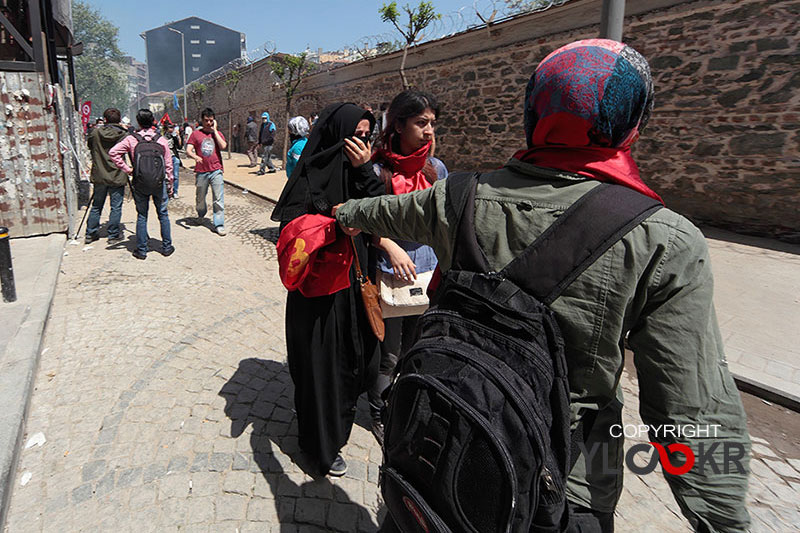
[[721, 147]]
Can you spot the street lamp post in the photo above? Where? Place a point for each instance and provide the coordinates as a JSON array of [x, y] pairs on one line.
[[612, 18], [183, 61]]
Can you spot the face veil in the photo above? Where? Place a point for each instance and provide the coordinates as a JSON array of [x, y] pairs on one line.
[[320, 179]]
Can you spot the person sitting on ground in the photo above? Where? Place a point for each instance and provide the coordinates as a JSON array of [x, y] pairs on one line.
[[127, 146], [585, 105]]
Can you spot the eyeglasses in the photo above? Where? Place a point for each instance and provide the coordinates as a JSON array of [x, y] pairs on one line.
[[366, 138]]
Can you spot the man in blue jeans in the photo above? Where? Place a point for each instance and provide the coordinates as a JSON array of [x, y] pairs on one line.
[[173, 135], [128, 146], [205, 146], [108, 180]]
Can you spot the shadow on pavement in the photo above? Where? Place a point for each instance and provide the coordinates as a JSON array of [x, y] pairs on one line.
[[193, 222], [260, 393], [270, 234], [788, 243]]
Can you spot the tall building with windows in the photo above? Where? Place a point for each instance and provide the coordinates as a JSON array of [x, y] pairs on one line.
[[208, 46]]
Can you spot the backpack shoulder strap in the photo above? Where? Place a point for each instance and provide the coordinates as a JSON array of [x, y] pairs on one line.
[[572, 243], [460, 193], [138, 137]]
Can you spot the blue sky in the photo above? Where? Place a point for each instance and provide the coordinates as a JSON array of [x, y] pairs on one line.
[[291, 26]]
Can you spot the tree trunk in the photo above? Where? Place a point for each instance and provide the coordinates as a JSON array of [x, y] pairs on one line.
[[403, 68], [286, 135], [230, 132]]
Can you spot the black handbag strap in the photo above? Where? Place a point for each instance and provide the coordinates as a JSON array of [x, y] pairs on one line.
[[584, 232]]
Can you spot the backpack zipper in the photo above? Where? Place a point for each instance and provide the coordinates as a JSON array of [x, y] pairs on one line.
[[472, 324]]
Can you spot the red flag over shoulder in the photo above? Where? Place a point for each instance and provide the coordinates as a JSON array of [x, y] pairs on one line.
[[313, 257]]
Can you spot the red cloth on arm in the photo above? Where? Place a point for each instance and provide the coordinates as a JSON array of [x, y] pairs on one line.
[[313, 257]]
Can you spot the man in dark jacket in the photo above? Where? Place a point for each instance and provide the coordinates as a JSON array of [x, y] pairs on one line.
[[106, 177], [266, 138], [251, 136]]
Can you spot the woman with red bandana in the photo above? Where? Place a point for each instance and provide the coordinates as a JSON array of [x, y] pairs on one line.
[[652, 291], [405, 162]]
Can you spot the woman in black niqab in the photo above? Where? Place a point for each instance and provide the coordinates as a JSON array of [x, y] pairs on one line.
[[331, 350]]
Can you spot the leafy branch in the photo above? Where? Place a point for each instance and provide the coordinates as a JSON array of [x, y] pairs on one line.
[[418, 18], [290, 70]]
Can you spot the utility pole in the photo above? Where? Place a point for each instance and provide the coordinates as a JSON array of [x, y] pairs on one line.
[[183, 61], [611, 19]]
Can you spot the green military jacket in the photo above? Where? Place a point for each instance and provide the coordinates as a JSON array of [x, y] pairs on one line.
[[101, 140], [654, 287]]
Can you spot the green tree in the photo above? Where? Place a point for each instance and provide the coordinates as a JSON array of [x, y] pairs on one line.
[[99, 72], [196, 92], [231, 81], [418, 19], [290, 70]]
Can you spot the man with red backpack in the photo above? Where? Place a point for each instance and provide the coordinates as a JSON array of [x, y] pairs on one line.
[[151, 174]]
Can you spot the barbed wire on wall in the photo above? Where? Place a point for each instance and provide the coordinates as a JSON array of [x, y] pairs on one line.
[[248, 58], [480, 13]]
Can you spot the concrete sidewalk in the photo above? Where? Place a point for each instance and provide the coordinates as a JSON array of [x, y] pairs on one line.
[[36, 262], [757, 296]]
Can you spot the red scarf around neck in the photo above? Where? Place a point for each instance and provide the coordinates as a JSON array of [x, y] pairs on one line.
[[407, 175], [611, 165]]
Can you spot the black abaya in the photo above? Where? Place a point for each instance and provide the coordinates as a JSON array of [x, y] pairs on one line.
[[332, 352]]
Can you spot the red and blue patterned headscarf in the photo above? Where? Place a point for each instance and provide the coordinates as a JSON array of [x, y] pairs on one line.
[[585, 105]]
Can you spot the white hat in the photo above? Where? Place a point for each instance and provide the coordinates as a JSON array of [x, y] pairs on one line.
[[126, 120]]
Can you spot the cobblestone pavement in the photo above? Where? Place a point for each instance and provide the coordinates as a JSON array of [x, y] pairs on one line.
[[163, 402]]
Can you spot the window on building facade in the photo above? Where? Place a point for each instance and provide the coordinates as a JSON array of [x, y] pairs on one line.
[[196, 55], [211, 41], [194, 27], [194, 41], [195, 69]]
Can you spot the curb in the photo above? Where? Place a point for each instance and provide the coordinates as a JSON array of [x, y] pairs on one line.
[[766, 392], [19, 363], [249, 191]]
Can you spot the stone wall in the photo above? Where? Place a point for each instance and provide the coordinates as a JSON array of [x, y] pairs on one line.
[[721, 148]]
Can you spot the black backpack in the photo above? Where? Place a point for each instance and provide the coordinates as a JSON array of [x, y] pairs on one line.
[[477, 419], [149, 168]]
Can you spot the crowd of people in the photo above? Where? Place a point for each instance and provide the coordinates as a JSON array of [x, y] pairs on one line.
[[367, 193]]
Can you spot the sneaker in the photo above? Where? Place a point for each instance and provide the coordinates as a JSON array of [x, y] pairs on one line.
[[90, 239], [174, 195], [260, 173], [221, 231], [273, 170], [338, 467], [166, 252], [377, 430], [115, 240], [138, 255]]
